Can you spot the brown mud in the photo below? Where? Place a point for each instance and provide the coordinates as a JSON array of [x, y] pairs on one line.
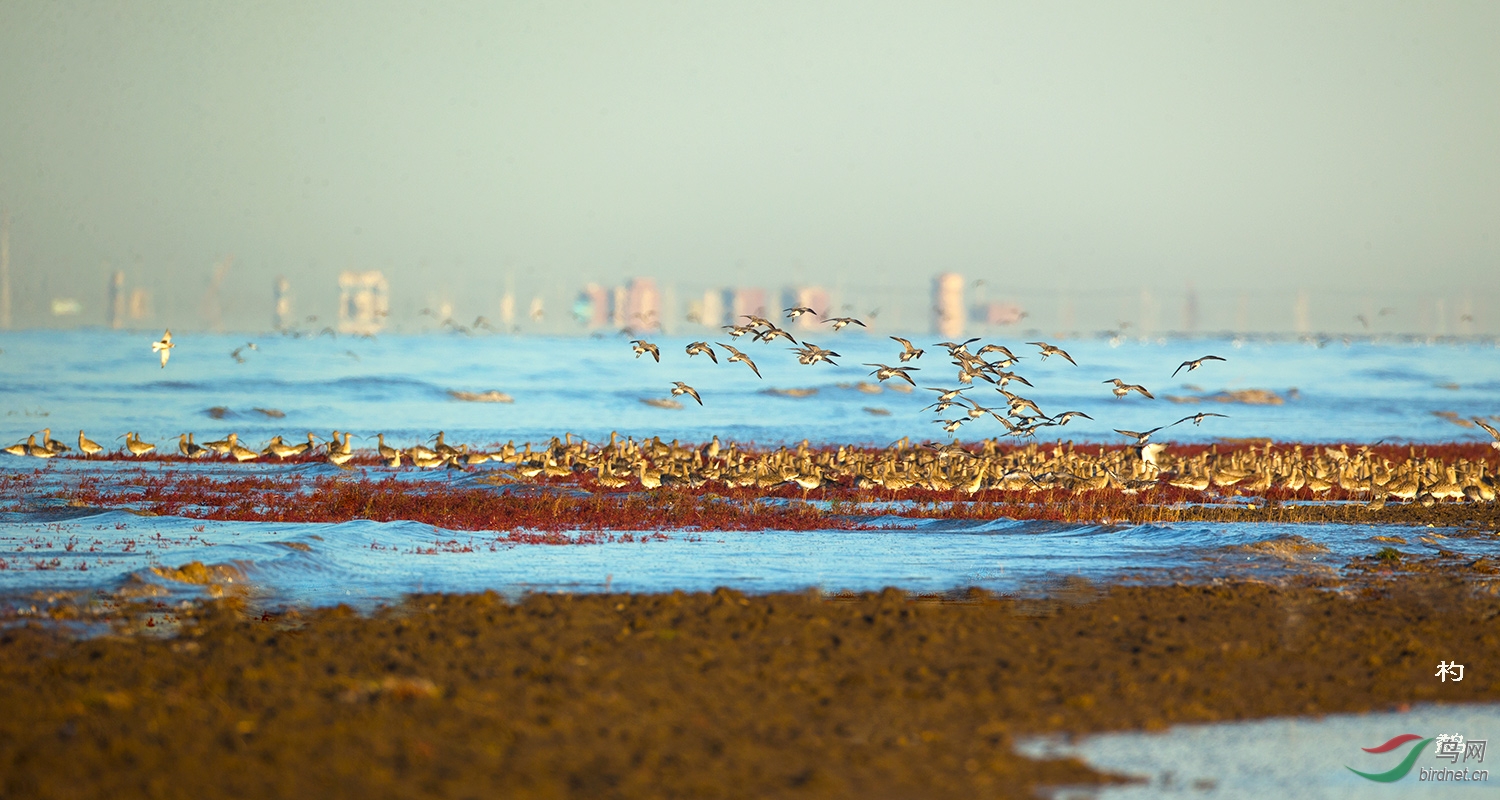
[[706, 695]]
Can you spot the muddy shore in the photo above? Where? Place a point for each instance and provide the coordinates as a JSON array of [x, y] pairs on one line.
[[706, 695]]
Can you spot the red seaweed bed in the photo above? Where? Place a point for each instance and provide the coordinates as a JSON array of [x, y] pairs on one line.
[[339, 499]]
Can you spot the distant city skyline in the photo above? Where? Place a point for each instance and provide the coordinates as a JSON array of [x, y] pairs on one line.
[[1086, 161]]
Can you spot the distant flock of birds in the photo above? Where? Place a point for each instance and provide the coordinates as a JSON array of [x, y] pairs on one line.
[[950, 468], [942, 468], [1022, 417]]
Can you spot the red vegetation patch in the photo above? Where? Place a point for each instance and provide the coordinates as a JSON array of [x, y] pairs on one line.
[[291, 499]]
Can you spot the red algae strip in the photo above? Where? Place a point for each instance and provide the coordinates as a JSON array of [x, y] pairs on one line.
[[262, 499]]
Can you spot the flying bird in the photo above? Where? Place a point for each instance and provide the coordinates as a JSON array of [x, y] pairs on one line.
[[1197, 419], [1122, 388], [1490, 429], [793, 313], [882, 372], [1049, 350], [1194, 364], [164, 347], [682, 388], [910, 352], [702, 348], [641, 346], [839, 323], [735, 355]]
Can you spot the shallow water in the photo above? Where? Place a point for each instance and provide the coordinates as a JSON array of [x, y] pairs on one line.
[[364, 563], [108, 382], [1288, 759]]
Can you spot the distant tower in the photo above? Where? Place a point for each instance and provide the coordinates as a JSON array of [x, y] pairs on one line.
[[813, 297], [364, 302], [1299, 313], [1190, 310], [642, 305], [117, 299], [5, 271], [281, 293], [948, 305]]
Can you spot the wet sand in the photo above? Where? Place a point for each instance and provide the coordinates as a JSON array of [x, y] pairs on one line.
[[707, 695]]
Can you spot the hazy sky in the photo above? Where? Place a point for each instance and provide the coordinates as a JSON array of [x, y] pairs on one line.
[[1045, 144]]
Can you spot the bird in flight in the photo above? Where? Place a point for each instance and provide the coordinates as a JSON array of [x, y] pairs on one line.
[[772, 332], [1122, 388], [795, 312], [735, 355], [1194, 364], [911, 352], [1049, 350], [641, 346], [1490, 429], [1141, 437], [682, 388], [702, 348], [839, 323], [1197, 419], [1066, 416], [164, 347], [810, 353], [882, 372]]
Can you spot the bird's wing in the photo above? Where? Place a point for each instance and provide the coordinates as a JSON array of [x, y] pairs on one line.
[[1490, 429], [1142, 390], [1212, 358], [1068, 357], [166, 352], [1179, 368]]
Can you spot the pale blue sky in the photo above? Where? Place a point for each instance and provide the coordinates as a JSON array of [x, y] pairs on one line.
[[1249, 147]]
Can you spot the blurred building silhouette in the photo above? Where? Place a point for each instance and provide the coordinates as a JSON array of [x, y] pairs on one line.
[[5, 318], [813, 297], [282, 314], [948, 305], [364, 302], [117, 299]]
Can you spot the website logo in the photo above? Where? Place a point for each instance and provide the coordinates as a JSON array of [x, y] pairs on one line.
[[1399, 771], [1450, 747]]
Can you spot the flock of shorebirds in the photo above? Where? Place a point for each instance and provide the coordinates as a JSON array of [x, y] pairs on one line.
[[943, 468], [949, 468], [1021, 417]]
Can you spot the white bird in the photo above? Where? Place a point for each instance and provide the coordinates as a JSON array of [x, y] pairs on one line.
[[164, 347]]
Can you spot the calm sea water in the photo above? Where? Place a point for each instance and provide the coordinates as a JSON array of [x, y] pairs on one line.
[[109, 382]]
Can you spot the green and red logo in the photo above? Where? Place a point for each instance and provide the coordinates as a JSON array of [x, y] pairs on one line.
[[1399, 771]]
